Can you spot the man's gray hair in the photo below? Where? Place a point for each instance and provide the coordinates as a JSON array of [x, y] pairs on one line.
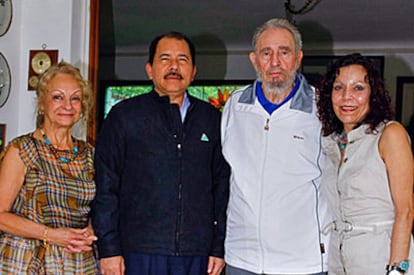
[[279, 23]]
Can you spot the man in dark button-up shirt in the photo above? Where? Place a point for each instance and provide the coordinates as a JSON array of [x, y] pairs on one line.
[[161, 179]]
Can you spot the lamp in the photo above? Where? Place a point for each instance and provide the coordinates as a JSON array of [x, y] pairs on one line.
[[290, 8]]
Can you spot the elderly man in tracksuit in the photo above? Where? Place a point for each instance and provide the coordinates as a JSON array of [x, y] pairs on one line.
[[271, 139]]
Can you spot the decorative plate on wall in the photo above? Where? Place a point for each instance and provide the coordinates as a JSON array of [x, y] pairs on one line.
[[6, 13], [5, 80]]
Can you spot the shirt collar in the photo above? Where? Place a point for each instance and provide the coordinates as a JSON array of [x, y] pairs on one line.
[[184, 106], [269, 106]]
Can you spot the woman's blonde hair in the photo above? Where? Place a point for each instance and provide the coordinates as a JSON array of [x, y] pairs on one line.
[[63, 68]]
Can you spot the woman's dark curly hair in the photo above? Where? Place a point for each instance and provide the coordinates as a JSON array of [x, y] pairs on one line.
[[379, 101]]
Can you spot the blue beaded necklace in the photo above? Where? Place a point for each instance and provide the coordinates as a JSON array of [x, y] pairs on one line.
[[53, 149], [342, 140]]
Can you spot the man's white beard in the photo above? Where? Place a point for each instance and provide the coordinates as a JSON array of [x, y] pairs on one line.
[[278, 87]]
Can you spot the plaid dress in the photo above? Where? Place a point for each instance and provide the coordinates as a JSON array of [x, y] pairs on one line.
[[56, 194]]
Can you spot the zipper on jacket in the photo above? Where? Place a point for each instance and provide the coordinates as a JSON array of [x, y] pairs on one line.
[[266, 127], [261, 207]]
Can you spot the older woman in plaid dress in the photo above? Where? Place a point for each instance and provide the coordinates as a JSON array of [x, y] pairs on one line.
[[46, 185]]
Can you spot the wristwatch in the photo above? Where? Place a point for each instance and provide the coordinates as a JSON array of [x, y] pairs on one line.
[[398, 268]]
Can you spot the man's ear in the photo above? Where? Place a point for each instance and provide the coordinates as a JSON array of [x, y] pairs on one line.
[[148, 68], [194, 73], [252, 57], [299, 60]]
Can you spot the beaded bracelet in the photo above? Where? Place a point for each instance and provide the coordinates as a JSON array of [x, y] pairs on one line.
[[45, 244]]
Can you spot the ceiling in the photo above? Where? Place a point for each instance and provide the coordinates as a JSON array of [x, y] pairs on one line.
[[129, 25]]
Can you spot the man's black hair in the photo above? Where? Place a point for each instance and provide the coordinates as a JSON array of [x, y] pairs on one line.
[[173, 34]]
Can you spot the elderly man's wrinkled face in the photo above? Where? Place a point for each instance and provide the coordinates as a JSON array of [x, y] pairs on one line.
[[275, 59]]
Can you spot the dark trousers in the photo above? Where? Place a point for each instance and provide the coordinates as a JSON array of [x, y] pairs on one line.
[[152, 264]]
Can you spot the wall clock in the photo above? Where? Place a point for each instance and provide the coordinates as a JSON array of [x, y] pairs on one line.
[[6, 13], [5, 80], [39, 62]]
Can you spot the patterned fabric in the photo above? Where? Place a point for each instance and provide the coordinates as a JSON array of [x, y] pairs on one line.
[[56, 194]]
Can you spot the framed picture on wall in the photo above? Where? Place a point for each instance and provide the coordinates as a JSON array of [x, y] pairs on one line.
[[114, 91], [404, 103], [2, 136], [314, 66]]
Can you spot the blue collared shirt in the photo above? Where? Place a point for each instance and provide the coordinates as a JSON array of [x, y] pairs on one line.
[[269, 106], [184, 107]]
